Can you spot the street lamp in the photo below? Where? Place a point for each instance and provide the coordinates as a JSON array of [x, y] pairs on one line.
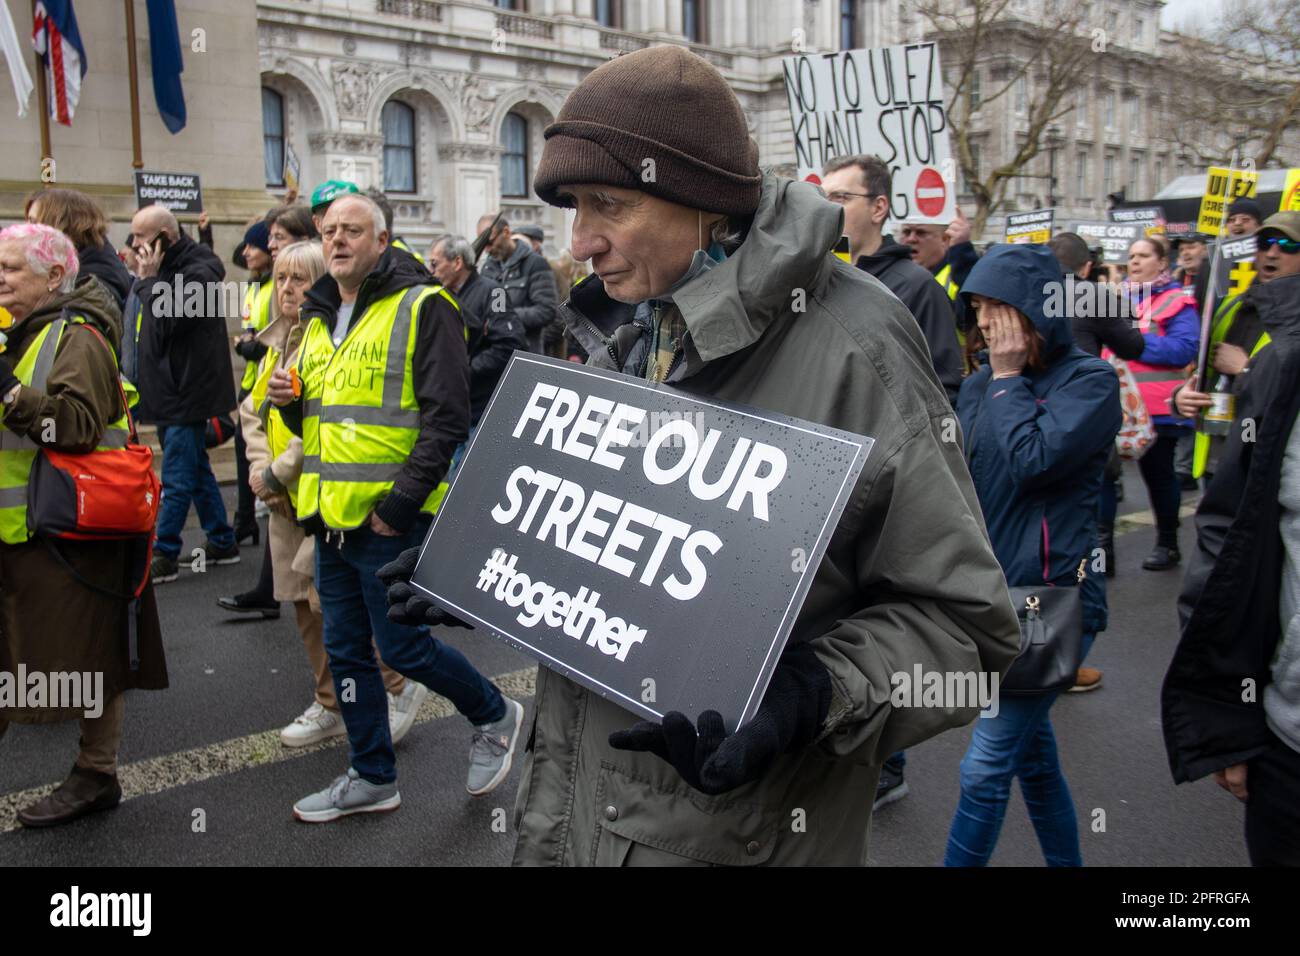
[[1053, 144]]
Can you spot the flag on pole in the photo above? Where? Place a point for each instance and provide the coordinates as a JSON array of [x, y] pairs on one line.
[[165, 55], [57, 39], [22, 80]]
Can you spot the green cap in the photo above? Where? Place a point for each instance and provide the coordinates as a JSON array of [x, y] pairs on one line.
[[329, 191]]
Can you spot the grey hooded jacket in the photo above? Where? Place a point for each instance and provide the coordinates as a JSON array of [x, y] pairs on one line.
[[909, 577]]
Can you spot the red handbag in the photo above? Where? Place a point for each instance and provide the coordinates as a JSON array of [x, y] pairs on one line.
[[109, 494]]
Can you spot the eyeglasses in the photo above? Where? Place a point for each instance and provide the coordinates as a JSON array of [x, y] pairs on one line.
[[1289, 246], [840, 197]]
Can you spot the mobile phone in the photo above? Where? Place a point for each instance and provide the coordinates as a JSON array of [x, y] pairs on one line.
[[161, 243]]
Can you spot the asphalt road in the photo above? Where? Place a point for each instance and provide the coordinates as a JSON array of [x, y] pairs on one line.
[[206, 751]]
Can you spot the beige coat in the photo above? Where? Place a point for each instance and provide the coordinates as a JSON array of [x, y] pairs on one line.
[[292, 550]]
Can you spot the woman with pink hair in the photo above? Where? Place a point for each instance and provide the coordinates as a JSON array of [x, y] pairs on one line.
[[60, 614]]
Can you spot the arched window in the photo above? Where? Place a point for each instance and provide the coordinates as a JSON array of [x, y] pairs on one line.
[[273, 136], [399, 147], [514, 162]]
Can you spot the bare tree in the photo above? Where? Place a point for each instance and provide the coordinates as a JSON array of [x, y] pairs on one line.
[[1239, 83], [1044, 44]]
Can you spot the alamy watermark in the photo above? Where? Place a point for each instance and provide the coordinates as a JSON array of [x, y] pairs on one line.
[[1075, 298], [59, 690], [199, 300], [947, 689]]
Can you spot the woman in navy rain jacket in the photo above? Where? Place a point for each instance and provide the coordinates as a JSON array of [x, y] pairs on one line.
[[1039, 418]]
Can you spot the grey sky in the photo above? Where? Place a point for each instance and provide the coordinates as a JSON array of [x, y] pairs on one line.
[[1177, 12]]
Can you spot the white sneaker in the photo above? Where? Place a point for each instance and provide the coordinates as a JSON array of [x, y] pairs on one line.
[[403, 708], [311, 726]]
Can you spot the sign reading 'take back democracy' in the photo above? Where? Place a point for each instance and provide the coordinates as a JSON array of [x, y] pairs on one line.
[[654, 546]]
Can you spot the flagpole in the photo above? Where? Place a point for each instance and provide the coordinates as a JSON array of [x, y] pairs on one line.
[[47, 151], [137, 160]]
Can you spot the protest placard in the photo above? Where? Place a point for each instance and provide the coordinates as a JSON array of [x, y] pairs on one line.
[[885, 102], [1150, 218], [1032, 226], [1236, 267], [654, 546], [1290, 192], [179, 192], [1113, 237], [1223, 186]]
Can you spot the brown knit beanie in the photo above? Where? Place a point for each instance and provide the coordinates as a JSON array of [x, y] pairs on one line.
[[664, 104]]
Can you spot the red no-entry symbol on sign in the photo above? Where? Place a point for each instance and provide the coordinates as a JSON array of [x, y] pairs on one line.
[[931, 193]]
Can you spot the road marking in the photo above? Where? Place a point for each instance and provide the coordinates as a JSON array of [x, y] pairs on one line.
[[1144, 519], [166, 772]]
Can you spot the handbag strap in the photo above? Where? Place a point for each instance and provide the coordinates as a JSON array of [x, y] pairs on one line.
[[126, 407]]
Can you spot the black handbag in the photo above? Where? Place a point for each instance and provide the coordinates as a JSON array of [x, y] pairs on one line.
[[1051, 638]]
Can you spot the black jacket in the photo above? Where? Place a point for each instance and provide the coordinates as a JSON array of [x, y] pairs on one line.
[[1228, 607], [1098, 319], [494, 334], [103, 264], [915, 287], [530, 284], [183, 360], [440, 368]]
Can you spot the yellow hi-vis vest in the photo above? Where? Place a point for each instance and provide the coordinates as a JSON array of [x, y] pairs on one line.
[[257, 315], [1224, 316], [944, 278], [360, 416], [400, 243], [18, 452], [278, 434]]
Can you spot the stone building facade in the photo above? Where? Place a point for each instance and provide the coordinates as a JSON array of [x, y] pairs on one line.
[[474, 82], [221, 141]]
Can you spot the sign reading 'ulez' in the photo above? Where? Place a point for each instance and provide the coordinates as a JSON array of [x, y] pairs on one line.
[[654, 546]]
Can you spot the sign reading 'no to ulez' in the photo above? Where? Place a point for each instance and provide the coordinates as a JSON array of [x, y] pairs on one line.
[[885, 102], [654, 546]]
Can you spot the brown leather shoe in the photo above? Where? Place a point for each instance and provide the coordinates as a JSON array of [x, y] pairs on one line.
[[1088, 678], [85, 791]]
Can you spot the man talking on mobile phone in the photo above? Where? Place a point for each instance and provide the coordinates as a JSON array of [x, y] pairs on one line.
[[184, 377]]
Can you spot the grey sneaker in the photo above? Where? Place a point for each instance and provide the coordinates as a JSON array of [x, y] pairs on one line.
[[494, 746], [346, 795], [402, 709]]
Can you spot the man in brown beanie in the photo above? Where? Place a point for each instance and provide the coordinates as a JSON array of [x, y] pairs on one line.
[[720, 281]]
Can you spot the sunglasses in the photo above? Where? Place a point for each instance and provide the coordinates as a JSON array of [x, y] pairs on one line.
[[1289, 246]]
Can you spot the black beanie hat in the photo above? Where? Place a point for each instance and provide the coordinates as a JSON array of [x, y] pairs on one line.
[[664, 104], [1246, 207]]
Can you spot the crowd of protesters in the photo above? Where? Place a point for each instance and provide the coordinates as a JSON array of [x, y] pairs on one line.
[[903, 341]]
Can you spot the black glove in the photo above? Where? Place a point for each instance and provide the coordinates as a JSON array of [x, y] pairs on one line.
[[792, 713], [7, 379], [407, 605]]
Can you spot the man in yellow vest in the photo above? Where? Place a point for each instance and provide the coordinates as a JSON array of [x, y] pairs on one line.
[[949, 255], [1240, 330], [383, 401]]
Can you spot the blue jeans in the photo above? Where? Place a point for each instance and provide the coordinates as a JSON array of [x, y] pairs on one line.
[[187, 477], [1018, 742], [354, 604]]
